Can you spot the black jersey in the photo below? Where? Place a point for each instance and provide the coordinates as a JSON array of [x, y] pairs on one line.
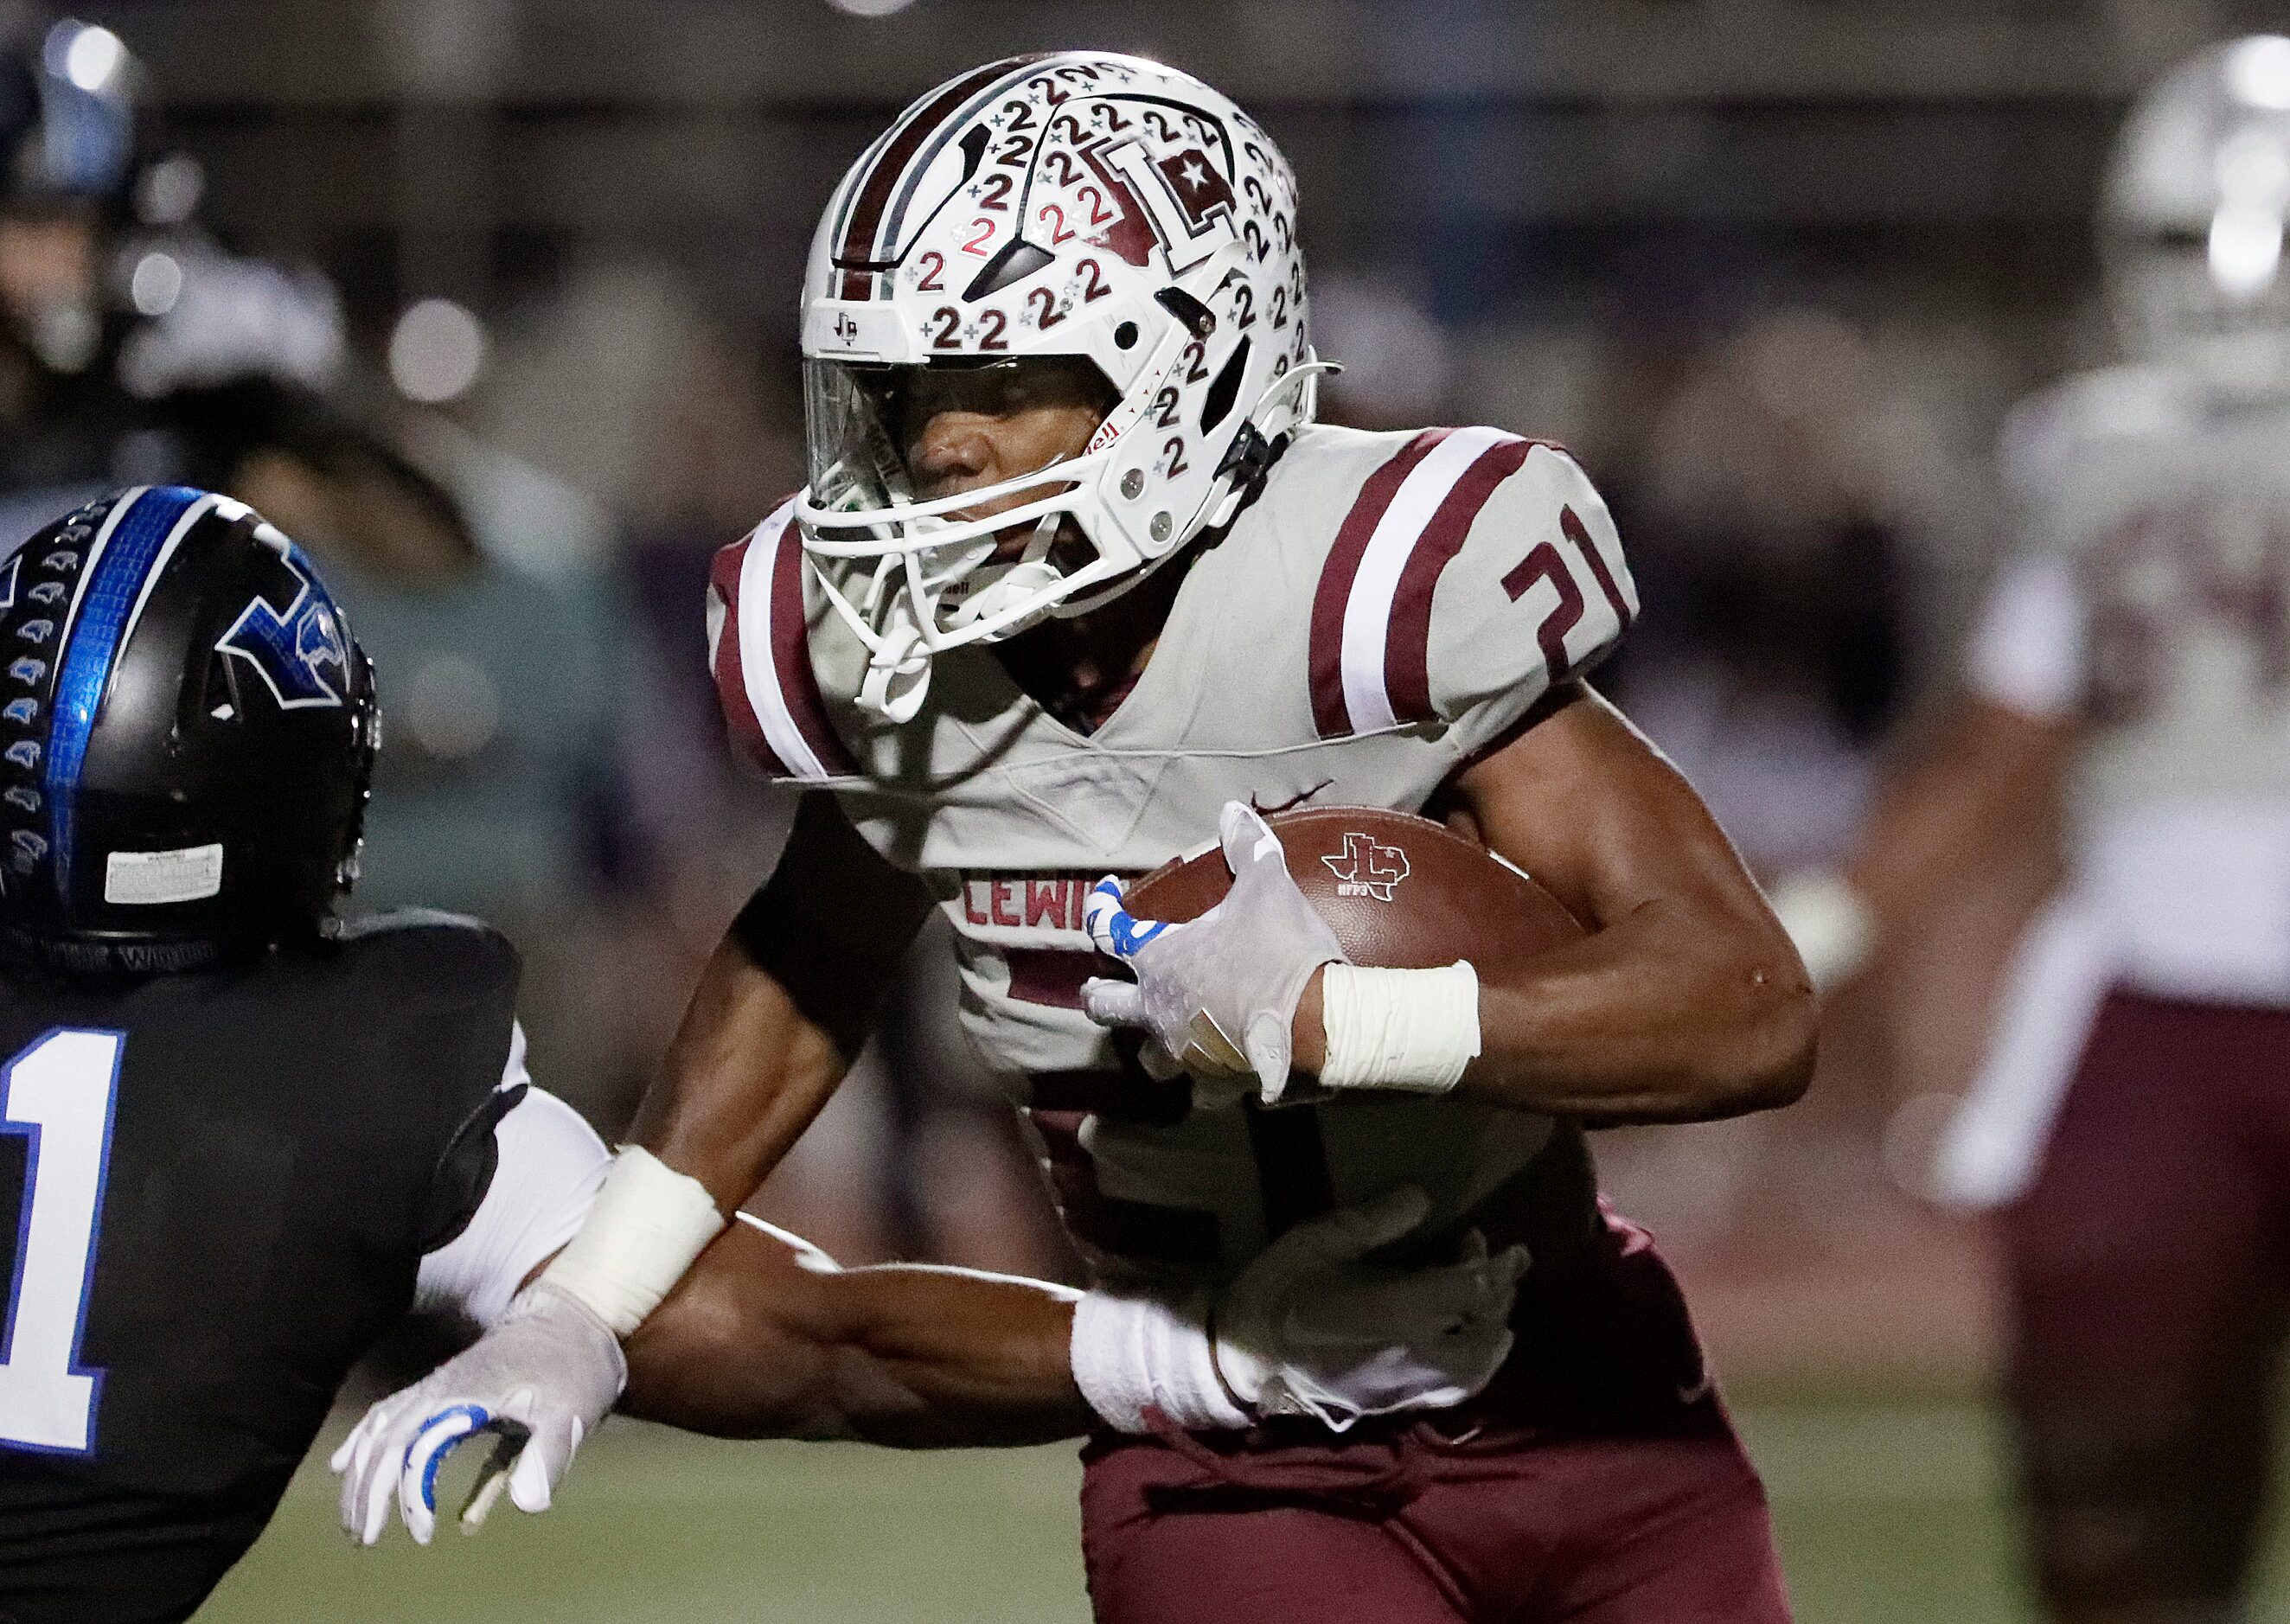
[[226, 1183]]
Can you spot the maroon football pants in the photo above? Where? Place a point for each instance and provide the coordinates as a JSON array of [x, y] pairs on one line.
[[2148, 1267], [1596, 1482]]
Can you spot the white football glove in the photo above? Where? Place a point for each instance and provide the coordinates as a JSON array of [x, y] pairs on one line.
[[1311, 1328], [1219, 992], [540, 1381], [1308, 1328]]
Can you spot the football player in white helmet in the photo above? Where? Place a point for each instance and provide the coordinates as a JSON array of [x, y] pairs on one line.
[[1076, 583], [2131, 670]]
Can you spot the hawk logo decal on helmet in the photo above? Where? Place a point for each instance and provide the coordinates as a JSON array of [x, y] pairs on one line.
[[1363, 868], [300, 652]]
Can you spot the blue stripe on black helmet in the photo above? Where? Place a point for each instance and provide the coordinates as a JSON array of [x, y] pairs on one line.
[[187, 733]]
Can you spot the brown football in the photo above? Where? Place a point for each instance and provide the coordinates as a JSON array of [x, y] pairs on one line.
[[1401, 892]]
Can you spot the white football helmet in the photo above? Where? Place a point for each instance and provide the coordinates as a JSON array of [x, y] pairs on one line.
[[2197, 198], [1092, 220]]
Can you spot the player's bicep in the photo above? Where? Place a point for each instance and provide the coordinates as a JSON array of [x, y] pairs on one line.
[[1584, 802], [829, 926]]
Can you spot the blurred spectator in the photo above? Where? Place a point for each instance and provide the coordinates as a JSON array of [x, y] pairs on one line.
[[1774, 651]]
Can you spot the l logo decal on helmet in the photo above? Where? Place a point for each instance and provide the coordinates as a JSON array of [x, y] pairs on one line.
[[300, 653]]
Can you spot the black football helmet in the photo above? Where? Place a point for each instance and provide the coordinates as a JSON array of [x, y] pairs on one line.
[[186, 737]]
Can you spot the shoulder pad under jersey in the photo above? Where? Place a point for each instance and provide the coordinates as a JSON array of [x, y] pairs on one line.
[[428, 947], [759, 652], [1472, 570], [2049, 434]]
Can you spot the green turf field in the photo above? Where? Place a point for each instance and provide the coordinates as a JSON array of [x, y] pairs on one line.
[[1888, 1513]]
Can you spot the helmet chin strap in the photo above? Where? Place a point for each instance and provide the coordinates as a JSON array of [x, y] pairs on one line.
[[898, 676], [1220, 507]]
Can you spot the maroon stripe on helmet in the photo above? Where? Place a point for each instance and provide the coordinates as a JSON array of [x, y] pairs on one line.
[[857, 248], [1407, 641], [730, 675], [1331, 717], [791, 656], [1570, 522]]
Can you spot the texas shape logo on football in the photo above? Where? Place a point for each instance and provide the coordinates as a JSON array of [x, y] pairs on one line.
[[1363, 868]]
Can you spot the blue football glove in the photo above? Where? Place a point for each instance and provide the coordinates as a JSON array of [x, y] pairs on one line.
[[537, 1383]]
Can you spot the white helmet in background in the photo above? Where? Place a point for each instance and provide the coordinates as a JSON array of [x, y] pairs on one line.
[[1100, 220], [2198, 197]]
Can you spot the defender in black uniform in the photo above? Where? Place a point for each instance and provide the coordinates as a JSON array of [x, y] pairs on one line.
[[241, 1138]]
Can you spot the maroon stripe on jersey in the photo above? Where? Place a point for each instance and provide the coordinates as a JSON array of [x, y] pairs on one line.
[[1407, 641], [1331, 717], [731, 676], [791, 656], [1141, 1230], [858, 248], [1052, 976], [1570, 522]]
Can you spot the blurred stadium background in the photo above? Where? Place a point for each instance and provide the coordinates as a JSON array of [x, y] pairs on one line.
[[1775, 267]]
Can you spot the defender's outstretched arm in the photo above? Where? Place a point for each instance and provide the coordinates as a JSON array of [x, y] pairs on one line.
[[766, 1338]]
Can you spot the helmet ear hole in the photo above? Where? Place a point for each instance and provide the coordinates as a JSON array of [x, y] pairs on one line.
[[1217, 405]]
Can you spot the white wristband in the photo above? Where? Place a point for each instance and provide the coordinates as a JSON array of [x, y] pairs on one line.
[[1130, 1353], [1828, 922], [1410, 1030], [648, 1224]]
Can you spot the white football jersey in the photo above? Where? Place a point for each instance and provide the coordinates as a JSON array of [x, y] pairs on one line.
[[1388, 609], [2151, 600]]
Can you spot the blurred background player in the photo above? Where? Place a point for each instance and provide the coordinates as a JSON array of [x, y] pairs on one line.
[[2130, 678]]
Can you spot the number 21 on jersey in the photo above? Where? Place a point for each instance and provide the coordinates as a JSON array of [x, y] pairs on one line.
[[59, 1094]]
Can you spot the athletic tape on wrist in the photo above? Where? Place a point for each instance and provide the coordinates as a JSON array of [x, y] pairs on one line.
[[1828, 922], [1414, 1030], [648, 1224], [1132, 1354]]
